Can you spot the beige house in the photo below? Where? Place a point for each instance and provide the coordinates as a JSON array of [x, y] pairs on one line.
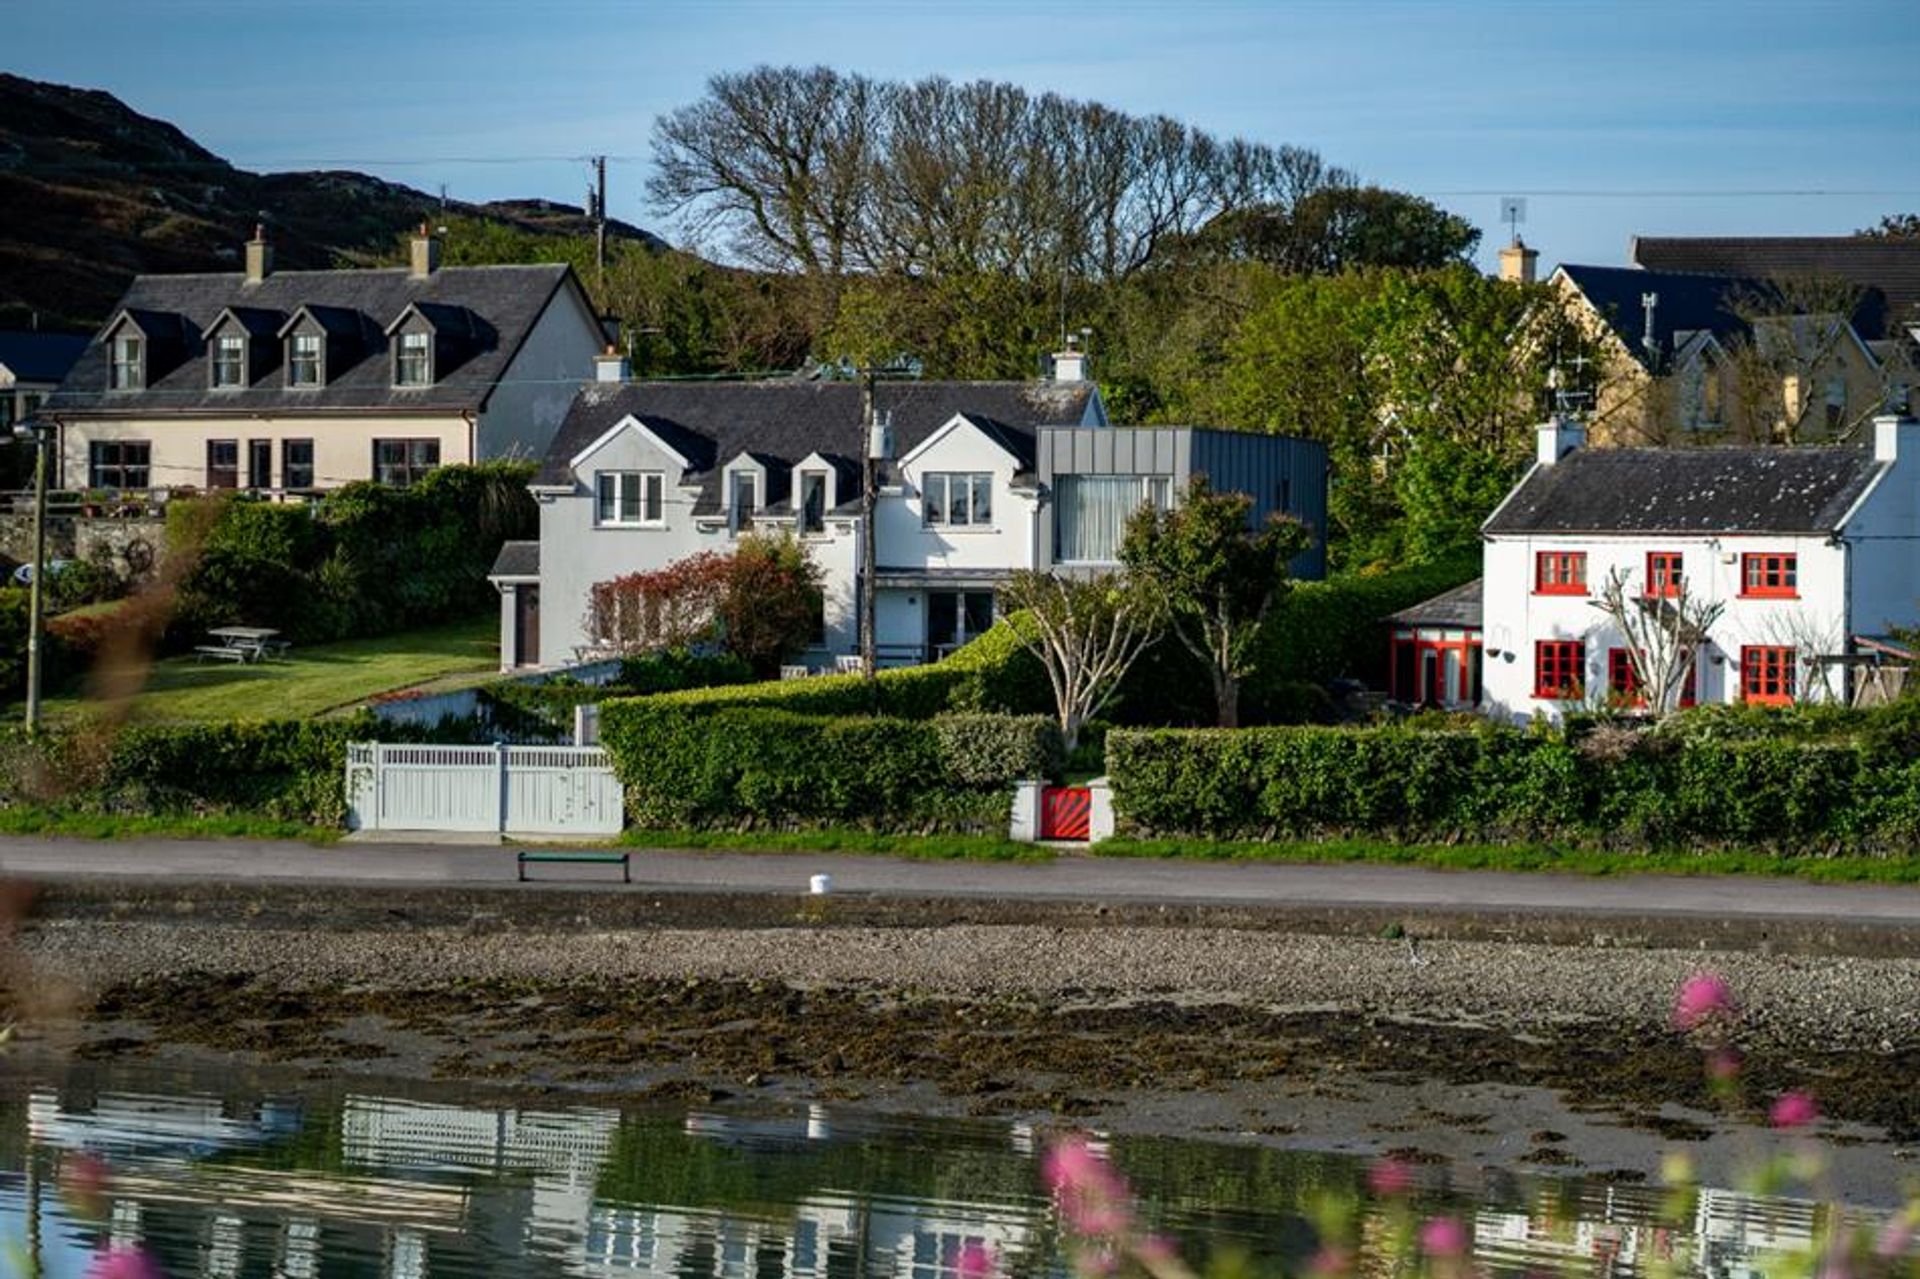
[[292, 382]]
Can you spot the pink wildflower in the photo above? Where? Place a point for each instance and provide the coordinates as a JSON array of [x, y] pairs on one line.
[[1443, 1237], [1793, 1110], [124, 1263], [1702, 996], [1092, 1197], [1723, 1064], [1330, 1261], [1389, 1177], [1895, 1237], [976, 1261]]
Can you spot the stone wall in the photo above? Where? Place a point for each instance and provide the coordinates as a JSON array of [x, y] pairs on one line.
[[83, 537]]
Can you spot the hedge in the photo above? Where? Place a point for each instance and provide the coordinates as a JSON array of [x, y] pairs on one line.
[[528, 707], [291, 770], [1689, 785], [688, 764]]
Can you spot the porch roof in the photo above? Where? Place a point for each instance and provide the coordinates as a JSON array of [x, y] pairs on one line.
[[1459, 608]]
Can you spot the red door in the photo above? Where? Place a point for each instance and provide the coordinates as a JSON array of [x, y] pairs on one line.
[[1064, 811]]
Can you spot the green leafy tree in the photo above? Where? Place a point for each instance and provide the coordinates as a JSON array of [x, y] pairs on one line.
[[771, 606], [1086, 633], [1217, 577]]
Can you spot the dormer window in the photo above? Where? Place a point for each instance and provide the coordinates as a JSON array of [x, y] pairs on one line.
[[129, 367], [413, 364], [813, 501], [229, 360], [303, 360]]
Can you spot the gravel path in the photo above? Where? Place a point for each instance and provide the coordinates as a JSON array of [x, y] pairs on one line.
[[1872, 1004]]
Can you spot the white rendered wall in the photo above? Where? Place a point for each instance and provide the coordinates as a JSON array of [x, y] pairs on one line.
[[533, 394], [1008, 542]]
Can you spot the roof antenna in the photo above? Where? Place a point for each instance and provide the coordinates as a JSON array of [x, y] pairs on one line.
[[1513, 211]]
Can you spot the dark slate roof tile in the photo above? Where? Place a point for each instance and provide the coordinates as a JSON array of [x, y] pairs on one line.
[[516, 559], [1459, 608], [1689, 303], [1689, 491], [490, 308], [1888, 268]]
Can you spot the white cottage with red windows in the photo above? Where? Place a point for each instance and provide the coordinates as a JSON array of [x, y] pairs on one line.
[[1814, 553]]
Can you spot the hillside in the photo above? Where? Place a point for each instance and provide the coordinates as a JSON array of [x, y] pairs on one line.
[[96, 193]]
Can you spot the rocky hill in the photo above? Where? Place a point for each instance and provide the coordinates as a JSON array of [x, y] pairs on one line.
[[96, 193]]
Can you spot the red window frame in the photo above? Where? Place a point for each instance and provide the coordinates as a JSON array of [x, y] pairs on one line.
[[1623, 686], [1767, 674], [1665, 572], [1560, 573], [1769, 575], [1559, 669]]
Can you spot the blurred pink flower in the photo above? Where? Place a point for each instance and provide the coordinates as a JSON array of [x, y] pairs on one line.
[[1330, 1261], [124, 1263], [1793, 1110], [1389, 1177], [1155, 1248], [1895, 1237], [1443, 1237], [1092, 1197], [1723, 1064], [976, 1261], [1702, 996]]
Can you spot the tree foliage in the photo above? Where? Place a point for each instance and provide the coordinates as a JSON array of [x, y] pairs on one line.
[[1216, 576], [759, 602], [1086, 633]]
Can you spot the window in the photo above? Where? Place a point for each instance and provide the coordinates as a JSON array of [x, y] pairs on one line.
[[1160, 493], [303, 360], [957, 499], [813, 501], [1770, 576], [229, 360], [414, 364], [129, 363], [1766, 675], [401, 462], [743, 494], [630, 497], [259, 464], [954, 617], [1559, 669], [1560, 573], [1623, 683], [119, 464], [223, 464], [1663, 574], [296, 464], [1090, 513], [7, 415]]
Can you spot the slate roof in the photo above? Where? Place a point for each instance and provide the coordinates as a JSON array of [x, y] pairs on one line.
[[1459, 608], [1890, 267], [516, 559], [39, 357], [1689, 303], [1689, 491], [490, 310], [711, 423]]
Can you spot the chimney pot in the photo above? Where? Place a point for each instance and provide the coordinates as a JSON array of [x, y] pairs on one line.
[[1070, 365], [611, 366], [1518, 262]]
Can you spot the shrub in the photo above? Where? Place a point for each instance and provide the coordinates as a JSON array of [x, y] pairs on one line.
[[529, 707], [991, 749], [1689, 787]]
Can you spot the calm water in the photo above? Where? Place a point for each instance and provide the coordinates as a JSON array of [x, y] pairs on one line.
[[332, 1180]]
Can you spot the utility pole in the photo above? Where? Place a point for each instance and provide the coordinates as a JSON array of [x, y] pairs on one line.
[[40, 434], [869, 541], [600, 218]]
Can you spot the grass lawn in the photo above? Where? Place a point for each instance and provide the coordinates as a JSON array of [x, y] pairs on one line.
[[313, 681]]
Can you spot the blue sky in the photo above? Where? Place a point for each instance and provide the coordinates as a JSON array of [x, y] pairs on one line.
[[1612, 119]]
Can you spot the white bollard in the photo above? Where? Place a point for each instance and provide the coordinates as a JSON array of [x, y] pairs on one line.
[[820, 885]]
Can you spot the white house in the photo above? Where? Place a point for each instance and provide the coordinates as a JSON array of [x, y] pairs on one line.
[[1814, 552], [984, 478]]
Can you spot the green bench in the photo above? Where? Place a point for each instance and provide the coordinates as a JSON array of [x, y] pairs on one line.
[[598, 859]]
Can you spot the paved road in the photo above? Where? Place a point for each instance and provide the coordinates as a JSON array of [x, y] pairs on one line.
[[1119, 880]]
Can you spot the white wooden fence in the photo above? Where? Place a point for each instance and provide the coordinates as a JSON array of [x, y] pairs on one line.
[[535, 790]]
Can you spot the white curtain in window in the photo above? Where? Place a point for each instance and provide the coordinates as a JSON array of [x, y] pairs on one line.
[[1091, 514]]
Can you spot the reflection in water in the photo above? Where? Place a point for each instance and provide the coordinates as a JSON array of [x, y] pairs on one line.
[[355, 1185]]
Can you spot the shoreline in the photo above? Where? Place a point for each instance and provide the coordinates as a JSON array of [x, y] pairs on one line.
[[1534, 1054]]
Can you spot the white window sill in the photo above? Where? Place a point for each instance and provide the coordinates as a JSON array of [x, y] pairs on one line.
[[962, 529], [623, 526]]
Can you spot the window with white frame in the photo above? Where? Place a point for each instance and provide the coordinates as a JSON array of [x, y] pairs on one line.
[[303, 360], [129, 363], [1090, 513], [957, 499], [413, 365], [743, 499], [813, 501], [630, 497], [229, 360]]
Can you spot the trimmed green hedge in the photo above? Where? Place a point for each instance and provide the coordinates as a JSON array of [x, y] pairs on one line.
[[1689, 784], [685, 763]]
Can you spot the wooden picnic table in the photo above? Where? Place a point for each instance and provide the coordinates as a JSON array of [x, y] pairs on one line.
[[240, 644]]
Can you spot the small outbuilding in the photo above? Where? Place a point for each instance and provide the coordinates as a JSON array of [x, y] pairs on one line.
[[1437, 650]]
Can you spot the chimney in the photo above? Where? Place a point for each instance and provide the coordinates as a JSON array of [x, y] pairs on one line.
[[259, 255], [1070, 365], [1559, 436], [1517, 262], [426, 253], [610, 366], [1895, 437], [1650, 303]]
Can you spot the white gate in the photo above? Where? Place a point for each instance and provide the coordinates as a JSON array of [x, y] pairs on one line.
[[535, 790]]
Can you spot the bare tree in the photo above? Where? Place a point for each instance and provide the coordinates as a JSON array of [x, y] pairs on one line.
[[1665, 627], [1797, 329], [1087, 633]]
